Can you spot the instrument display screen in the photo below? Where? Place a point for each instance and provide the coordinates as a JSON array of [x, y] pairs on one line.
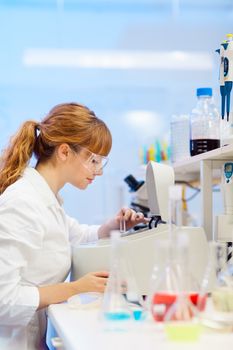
[[228, 168]]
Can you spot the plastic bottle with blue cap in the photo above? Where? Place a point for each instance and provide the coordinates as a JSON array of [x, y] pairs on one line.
[[204, 123]]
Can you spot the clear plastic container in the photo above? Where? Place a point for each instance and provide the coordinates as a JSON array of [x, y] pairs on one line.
[[204, 124], [179, 135]]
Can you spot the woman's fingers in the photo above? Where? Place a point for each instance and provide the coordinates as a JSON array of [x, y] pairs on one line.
[[104, 274], [128, 214]]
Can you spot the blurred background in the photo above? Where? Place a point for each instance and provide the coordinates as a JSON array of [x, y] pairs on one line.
[[134, 62]]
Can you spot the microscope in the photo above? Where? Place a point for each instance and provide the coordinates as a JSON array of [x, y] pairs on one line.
[[151, 197], [142, 244], [139, 200]]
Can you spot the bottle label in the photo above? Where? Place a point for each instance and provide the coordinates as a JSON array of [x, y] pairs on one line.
[[199, 146]]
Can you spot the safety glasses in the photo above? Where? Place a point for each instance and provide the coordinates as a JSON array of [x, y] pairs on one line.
[[93, 162]]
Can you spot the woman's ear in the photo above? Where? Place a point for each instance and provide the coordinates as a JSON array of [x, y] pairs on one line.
[[63, 152]]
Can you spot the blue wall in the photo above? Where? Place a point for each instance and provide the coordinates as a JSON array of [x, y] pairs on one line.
[[27, 92]]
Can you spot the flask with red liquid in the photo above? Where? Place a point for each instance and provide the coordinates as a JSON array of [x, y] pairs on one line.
[[172, 274]]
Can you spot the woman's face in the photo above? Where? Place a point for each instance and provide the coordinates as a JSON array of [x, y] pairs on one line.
[[84, 166]]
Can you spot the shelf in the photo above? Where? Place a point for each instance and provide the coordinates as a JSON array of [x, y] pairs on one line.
[[189, 169], [205, 167]]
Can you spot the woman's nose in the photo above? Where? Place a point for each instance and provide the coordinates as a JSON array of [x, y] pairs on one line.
[[98, 172]]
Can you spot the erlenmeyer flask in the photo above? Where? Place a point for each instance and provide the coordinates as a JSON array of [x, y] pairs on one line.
[[121, 300], [131, 293], [164, 285], [180, 243], [115, 306], [164, 276], [216, 296], [173, 268], [181, 319]]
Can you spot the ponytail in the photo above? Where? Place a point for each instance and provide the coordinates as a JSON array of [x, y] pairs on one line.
[[17, 155], [69, 123]]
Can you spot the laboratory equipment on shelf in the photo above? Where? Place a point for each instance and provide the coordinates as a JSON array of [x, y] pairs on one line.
[[225, 80], [179, 137], [141, 252], [226, 74], [204, 124], [224, 222], [216, 310]]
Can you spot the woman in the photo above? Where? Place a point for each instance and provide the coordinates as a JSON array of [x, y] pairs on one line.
[[70, 146]]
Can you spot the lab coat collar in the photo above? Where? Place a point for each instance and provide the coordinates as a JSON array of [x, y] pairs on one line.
[[42, 187]]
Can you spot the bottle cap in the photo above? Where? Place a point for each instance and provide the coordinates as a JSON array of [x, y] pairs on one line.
[[204, 91]]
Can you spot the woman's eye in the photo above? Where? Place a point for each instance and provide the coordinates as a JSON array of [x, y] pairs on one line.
[[94, 161]]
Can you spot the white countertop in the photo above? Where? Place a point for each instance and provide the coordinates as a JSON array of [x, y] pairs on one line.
[[82, 330]]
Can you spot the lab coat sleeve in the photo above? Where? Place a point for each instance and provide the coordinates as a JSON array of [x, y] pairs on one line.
[[81, 233], [20, 234]]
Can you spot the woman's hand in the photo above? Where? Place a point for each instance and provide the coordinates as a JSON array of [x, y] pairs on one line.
[[92, 282], [129, 216], [57, 293]]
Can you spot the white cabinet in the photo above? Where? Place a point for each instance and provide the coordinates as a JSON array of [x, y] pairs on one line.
[[204, 167]]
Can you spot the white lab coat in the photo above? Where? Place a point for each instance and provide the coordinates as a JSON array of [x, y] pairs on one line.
[[35, 238]]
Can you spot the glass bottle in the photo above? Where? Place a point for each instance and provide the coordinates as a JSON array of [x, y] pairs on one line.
[[204, 124]]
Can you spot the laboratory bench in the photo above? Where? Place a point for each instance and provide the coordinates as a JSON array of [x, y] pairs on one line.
[[82, 330]]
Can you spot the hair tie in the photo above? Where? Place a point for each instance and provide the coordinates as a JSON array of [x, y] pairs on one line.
[[37, 129]]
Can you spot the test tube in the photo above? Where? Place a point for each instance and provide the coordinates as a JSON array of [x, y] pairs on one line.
[[122, 226]]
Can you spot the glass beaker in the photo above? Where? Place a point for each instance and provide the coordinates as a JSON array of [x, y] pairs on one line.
[[216, 297]]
